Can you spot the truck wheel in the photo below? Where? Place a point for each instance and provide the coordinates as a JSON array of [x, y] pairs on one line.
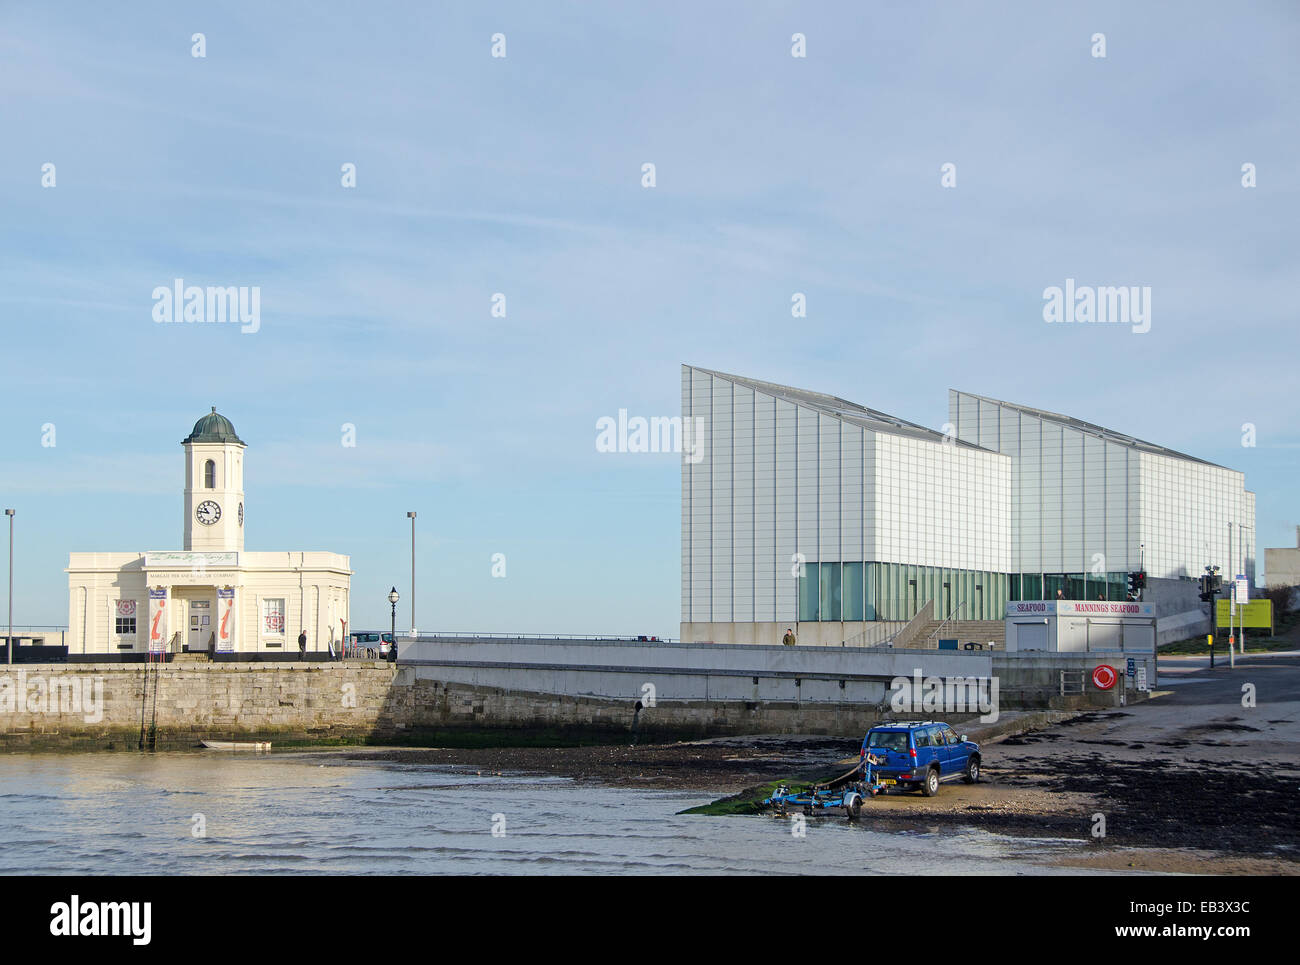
[[854, 808], [972, 770], [931, 786]]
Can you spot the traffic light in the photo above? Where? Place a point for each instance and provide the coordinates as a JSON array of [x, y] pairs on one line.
[[1207, 591], [1142, 580], [1135, 583]]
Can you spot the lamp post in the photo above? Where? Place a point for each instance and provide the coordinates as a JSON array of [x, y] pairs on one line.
[[411, 517], [393, 598], [9, 641]]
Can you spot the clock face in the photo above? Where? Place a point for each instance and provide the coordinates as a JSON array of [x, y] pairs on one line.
[[241, 514], [207, 512]]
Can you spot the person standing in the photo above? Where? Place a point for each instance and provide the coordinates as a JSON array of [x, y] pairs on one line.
[[302, 644], [788, 639]]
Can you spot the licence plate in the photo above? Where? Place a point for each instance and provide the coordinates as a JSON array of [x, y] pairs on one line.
[[889, 780]]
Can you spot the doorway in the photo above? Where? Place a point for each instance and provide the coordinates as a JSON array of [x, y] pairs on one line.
[[200, 626]]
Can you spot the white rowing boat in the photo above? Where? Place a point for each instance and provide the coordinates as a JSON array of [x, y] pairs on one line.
[[237, 745]]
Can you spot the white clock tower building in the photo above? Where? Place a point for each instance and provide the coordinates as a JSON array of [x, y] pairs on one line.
[[211, 599], [214, 486]]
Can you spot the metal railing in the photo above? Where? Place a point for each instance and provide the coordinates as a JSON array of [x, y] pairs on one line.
[[946, 620], [866, 640], [477, 635]]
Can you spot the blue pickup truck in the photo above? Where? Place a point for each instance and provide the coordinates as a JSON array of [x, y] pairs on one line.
[[920, 754]]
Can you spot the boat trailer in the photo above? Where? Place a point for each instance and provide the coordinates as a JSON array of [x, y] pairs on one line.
[[844, 794]]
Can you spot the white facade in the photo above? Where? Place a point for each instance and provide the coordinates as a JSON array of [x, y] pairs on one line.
[[211, 596], [1090, 501], [802, 511], [792, 480]]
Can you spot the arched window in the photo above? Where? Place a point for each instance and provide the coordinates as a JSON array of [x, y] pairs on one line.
[[210, 475]]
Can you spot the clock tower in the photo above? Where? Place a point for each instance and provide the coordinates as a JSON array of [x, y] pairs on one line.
[[214, 486]]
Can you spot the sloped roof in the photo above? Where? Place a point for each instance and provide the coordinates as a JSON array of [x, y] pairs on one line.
[[1101, 432], [842, 409]]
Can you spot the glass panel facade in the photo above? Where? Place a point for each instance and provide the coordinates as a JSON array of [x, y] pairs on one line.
[[851, 592], [1072, 586], [808, 599], [830, 591], [895, 591]]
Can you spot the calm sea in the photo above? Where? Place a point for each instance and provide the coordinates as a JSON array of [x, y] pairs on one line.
[[316, 813]]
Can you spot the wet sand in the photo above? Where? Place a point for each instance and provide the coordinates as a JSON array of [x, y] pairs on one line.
[[1166, 810]]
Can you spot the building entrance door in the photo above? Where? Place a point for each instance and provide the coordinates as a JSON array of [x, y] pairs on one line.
[[200, 626]]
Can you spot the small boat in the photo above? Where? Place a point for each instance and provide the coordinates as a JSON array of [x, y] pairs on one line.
[[237, 745]]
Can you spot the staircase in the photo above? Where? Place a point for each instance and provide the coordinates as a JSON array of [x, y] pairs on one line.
[[963, 631]]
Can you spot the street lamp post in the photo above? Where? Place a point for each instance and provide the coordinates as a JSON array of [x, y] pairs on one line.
[[411, 517], [393, 598], [9, 641]]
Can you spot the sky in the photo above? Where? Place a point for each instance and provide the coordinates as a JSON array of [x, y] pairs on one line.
[[523, 175]]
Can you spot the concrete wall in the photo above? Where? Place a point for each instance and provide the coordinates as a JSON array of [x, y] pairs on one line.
[[1179, 611], [1033, 679], [277, 702], [620, 670], [442, 684]]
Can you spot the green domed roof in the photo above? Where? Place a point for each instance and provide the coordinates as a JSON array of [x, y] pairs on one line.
[[213, 427]]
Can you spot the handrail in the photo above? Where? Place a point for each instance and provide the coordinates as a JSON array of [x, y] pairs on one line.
[[643, 638], [946, 620], [853, 640]]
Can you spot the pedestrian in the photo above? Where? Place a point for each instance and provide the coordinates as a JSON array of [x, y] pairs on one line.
[[302, 644], [392, 651], [788, 639]]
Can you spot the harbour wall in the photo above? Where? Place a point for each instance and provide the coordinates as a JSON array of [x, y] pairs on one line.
[[578, 688]]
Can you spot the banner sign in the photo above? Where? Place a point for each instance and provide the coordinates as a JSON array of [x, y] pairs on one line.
[[1102, 608], [1257, 614], [225, 619], [158, 620]]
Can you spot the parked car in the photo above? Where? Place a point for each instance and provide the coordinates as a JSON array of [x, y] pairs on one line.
[[366, 643], [919, 755]]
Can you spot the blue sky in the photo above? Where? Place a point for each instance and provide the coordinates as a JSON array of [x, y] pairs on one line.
[[522, 175]]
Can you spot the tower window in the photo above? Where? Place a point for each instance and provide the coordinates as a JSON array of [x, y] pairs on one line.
[[209, 475]]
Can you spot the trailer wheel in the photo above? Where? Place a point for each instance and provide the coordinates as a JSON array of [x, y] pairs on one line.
[[972, 770], [854, 807], [931, 786]]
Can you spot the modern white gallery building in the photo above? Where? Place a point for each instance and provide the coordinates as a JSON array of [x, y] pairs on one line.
[[810, 512], [210, 596]]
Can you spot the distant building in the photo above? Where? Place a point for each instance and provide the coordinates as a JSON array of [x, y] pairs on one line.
[[1090, 505], [1282, 566], [803, 510], [809, 509], [211, 596]]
